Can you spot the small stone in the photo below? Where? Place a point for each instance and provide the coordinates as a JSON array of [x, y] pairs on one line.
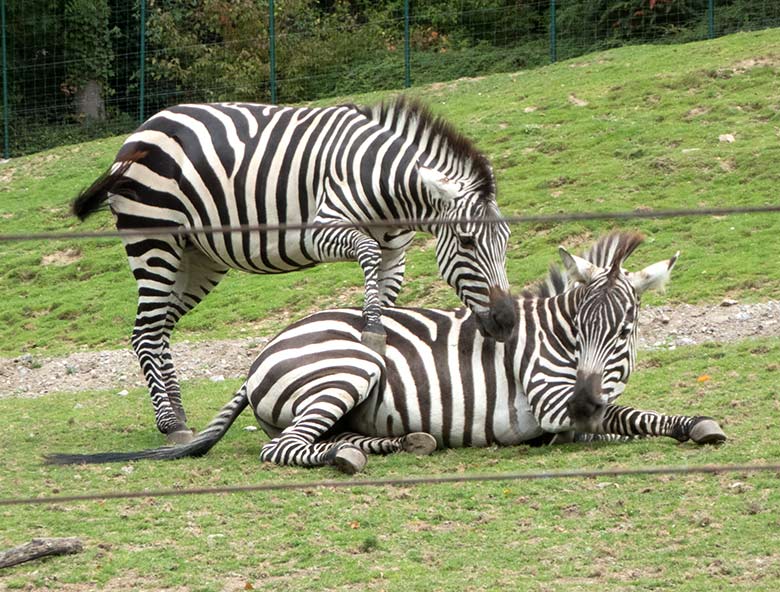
[[729, 138], [217, 378], [78, 406], [250, 429], [743, 316], [123, 393], [728, 302]]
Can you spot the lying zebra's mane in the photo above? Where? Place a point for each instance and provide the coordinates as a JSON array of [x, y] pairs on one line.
[[412, 117], [610, 250]]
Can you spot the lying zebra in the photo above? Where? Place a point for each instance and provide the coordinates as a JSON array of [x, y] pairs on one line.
[[325, 398]]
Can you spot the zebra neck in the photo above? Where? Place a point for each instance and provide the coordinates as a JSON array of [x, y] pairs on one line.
[[547, 329]]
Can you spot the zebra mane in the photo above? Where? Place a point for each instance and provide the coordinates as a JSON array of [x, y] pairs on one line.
[[410, 116], [608, 252]]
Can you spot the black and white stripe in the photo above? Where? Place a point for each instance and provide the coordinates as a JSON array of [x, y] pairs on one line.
[[316, 389], [242, 164]]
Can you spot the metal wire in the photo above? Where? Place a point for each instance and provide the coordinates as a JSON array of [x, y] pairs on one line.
[[405, 482], [397, 223]]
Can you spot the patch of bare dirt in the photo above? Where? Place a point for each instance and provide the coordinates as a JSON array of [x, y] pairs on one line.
[[661, 327], [61, 258]]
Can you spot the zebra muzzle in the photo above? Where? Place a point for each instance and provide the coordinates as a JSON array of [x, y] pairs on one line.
[[500, 320]]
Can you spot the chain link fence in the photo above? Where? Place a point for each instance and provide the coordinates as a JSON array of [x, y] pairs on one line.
[[74, 70]]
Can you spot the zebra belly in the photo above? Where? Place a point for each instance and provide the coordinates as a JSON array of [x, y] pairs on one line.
[[392, 413]]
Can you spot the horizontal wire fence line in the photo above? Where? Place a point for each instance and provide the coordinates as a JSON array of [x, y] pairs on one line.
[[395, 223], [74, 70], [403, 482]]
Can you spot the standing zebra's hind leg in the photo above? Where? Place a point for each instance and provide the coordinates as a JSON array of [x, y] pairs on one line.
[[172, 276]]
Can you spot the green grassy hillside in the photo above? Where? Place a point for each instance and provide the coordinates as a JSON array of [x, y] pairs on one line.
[[637, 127]]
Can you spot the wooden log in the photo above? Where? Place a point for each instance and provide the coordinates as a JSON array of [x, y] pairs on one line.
[[39, 548]]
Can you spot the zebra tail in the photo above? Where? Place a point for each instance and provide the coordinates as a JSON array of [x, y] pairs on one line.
[[93, 198], [199, 446]]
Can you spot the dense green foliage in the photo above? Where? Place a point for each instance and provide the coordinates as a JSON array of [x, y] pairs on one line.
[[207, 50]]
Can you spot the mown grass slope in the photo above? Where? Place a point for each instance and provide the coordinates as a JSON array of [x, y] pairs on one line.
[[637, 127]]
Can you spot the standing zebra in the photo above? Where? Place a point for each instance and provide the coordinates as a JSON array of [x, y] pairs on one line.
[[234, 164], [324, 398]]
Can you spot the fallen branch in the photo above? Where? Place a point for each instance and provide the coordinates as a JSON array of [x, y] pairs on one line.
[[39, 548]]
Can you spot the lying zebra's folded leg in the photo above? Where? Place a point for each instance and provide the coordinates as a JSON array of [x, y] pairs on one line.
[[294, 448], [419, 443], [300, 442]]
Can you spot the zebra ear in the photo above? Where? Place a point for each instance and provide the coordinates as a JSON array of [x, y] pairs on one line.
[[653, 277], [577, 268], [438, 185]]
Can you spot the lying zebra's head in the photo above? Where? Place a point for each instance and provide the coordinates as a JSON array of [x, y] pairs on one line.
[[471, 254], [606, 316]]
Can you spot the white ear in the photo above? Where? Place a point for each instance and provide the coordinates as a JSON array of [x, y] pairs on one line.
[[438, 185], [653, 277], [578, 269]]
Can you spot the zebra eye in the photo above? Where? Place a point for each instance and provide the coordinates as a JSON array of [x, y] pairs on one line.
[[626, 330], [467, 242]]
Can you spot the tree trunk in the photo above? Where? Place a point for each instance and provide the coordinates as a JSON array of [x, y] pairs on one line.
[[90, 105]]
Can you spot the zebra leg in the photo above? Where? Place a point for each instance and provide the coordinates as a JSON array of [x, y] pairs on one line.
[[391, 274], [162, 268], [299, 443], [197, 275], [154, 262], [419, 443], [350, 244], [627, 421]]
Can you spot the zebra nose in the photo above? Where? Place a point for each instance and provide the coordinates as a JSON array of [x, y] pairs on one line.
[[500, 320]]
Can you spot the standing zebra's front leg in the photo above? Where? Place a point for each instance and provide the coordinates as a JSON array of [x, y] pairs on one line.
[[350, 244], [590, 415], [392, 268]]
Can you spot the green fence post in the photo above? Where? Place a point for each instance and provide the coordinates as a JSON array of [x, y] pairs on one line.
[[142, 64], [553, 36], [407, 48], [711, 18], [6, 151], [272, 49]]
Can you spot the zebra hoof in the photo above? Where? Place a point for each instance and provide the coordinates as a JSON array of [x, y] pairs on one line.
[[707, 431], [375, 341], [419, 443], [350, 460], [180, 436]]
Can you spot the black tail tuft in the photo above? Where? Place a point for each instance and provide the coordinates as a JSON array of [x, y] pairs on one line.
[[202, 443], [94, 197]]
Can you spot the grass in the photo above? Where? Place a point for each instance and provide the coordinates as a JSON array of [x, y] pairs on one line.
[[636, 127], [684, 533]]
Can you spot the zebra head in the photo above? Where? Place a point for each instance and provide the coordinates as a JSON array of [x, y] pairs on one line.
[[606, 316], [471, 251]]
